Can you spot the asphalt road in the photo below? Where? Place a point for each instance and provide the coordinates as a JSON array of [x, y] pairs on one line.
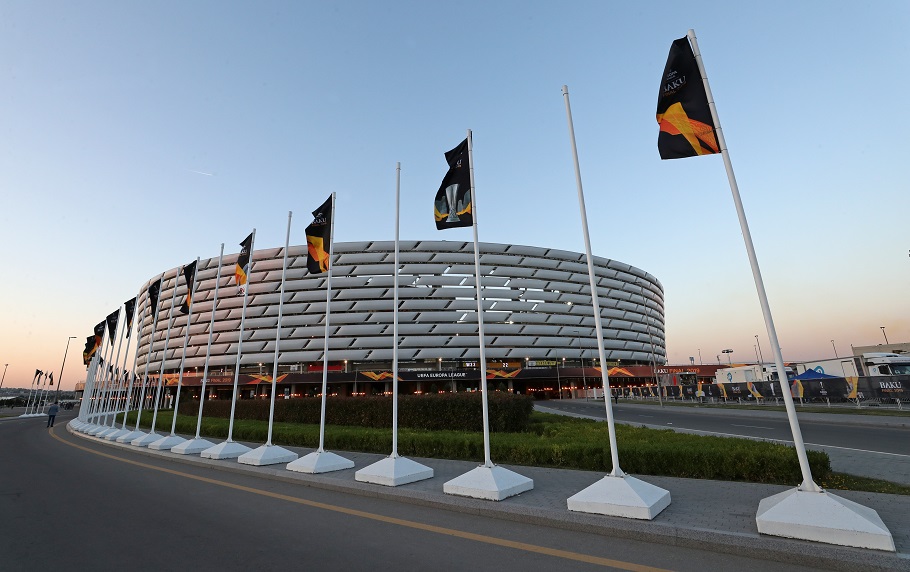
[[871, 446], [70, 502]]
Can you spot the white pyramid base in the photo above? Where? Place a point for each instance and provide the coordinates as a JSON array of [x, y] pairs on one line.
[[105, 431], [267, 455], [166, 443], [320, 462], [623, 496], [30, 415], [192, 447], [145, 440], [113, 436], [394, 471], [225, 450], [130, 436], [822, 517], [87, 427], [97, 429], [488, 483], [75, 424]]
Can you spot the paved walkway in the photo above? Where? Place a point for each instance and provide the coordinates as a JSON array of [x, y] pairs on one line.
[[714, 515]]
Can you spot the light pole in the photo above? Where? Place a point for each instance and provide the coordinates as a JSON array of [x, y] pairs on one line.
[[756, 353], [835, 348], [729, 354], [4, 375], [60, 379], [700, 362], [884, 334], [758, 345]]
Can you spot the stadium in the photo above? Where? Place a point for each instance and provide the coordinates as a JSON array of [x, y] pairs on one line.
[[538, 320]]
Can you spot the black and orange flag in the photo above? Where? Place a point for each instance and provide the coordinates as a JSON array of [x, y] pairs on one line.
[[686, 127], [243, 261], [51, 379], [88, 351], [154, 292], [319, 237], [452, 207], [189, 274], [112, 320], [130, 307]]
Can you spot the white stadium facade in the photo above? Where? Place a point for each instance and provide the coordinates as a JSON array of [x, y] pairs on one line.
[[538, 320]]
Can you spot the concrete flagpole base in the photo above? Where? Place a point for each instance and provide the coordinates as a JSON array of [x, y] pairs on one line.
[[267, 455], [105, 431], [822, 517], [394, 471], [488, 483], [145, 440], [75, 424], [166, 443], [224, 450], [320, 462], [192, 447], [97, 429], [130, 436], [113, 436], [623, 496]]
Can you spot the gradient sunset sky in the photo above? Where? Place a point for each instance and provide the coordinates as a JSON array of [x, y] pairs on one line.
[[136, 136]]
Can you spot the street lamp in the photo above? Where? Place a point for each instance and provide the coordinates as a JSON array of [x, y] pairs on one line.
[[884, 334], [758, 345], [4, 375], [729, 359], [60, 379], [835, 348], [700, 362]]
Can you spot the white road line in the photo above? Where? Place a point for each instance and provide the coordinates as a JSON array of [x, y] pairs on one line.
[[750, 426]]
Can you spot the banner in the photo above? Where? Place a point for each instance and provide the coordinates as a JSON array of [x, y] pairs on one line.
[[452, 207], [189, 275], [112, 320], [88, 351], [130, 307], [243, 262], [686, 126], [318, 237], [154, 291]]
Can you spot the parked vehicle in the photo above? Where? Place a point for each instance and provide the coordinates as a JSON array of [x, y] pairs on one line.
[[749, 373], [869, 364]]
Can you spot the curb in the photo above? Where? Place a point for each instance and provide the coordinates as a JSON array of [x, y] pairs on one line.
[[791, 551]]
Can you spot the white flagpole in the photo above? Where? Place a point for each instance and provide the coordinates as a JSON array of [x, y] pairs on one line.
[[617, 494], [48, 378], [131, 372], [102, 385], [269, 454], [108, 406], [148, 357], [322, 461], [808, 484], [394, 470], [123, 402], [151, 437], [197, 444], [172, 439], [807, 512], [37, 397], [28, 402], [228, 449], [487, 481]]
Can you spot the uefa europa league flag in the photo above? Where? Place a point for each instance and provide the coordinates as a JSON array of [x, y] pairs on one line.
[[88, 351], [99, 335], [130, 307], [51, 378], [243, 261], [318, 238], [189, 274], [111, 320], [686, 127], [452, 207], [154, 291]]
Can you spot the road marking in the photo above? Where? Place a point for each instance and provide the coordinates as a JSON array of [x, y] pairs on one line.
[[588, 559], [750, 426]]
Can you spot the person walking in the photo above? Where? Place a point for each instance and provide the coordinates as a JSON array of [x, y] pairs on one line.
[[51, 413]]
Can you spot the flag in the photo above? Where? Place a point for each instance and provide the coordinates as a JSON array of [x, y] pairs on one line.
[[189, 274], [130, 307], [112, 320], [319, 237], [39, 372], [154, 291], [452, 207], [243, 262], [88, 351], [52, 378], [99, 335], [686, 126]]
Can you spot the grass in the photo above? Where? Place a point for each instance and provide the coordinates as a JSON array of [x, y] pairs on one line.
[[560, 442]]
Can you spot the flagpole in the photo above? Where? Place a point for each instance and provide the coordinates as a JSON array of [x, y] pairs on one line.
[[617, 494], [48, 378], [32, 392], [102, 385], [394, 470], [137, 318], [487, 481], [152, 436], [808, 484], [197, 444], [135, 433], [108, 406], [228, 449], [120, 381], [328, 314]]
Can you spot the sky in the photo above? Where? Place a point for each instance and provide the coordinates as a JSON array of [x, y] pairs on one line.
[[136, 136]]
